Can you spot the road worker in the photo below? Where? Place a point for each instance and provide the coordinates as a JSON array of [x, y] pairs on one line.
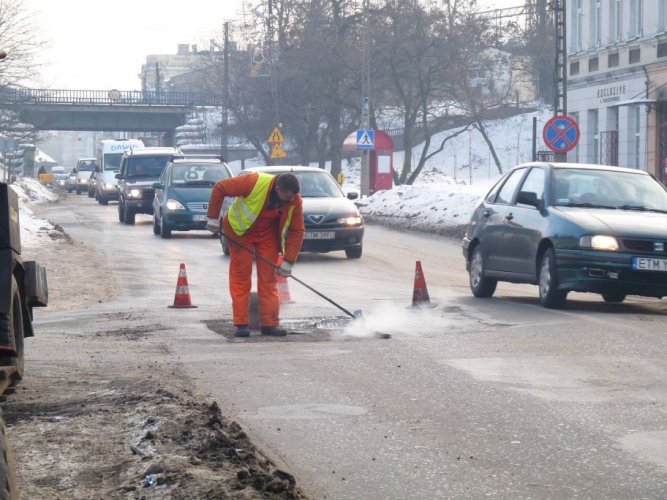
[[265, 217]]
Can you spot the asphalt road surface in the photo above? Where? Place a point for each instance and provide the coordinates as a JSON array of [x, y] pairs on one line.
[[469, 398]]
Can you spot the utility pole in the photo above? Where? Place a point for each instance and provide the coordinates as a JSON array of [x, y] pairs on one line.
[[365, 105], [560, 67], [225, 95]]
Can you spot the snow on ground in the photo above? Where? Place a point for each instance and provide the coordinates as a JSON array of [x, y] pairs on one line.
[[443, 196]]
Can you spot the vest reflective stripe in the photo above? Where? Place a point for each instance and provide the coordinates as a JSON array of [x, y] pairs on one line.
[[283, 232], [245, 209]]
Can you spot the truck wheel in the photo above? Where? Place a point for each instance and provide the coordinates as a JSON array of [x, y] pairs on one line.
[[121, 212], [8, 485], [11, 333]]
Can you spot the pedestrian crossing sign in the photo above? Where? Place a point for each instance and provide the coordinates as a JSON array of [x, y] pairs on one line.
[[365, 139], [276, 137], [278, 152]]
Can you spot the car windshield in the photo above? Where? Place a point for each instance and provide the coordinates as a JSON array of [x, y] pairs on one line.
[[86, 166], [318, 184], [112, 161], [193, 175], [145, 166], [607, 189]]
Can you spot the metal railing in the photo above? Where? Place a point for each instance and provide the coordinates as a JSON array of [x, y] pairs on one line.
[[18, 95]]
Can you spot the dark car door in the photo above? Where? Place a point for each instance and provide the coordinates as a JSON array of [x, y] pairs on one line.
[[523, 231], [161, 194], [492, 219]]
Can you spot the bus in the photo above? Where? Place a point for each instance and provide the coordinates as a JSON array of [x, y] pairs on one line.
[[109, 152]]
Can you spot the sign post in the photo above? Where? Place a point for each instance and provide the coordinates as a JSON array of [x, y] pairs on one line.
[[276, 139], [561, 134]]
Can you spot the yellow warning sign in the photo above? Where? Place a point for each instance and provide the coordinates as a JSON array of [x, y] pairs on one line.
[[276, 136], [341, 178], [278, 152]]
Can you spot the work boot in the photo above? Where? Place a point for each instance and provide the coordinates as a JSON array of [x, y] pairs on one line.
[[242, 331], [274, 331]]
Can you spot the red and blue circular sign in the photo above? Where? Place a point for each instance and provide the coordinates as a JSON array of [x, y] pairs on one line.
[[561, 134]]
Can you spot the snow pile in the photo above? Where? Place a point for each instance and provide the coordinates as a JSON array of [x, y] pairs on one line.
[[35, 231]]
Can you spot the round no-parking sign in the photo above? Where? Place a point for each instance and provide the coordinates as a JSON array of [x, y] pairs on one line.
[[561, 134]]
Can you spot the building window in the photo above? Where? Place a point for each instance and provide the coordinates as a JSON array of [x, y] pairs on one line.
[[614, 21], [634, 56], [595, 24], [574, 68], [612, 61], [593, 136], [593, 64], [662, 49], [636, 17], [576, 21], [635, 116], [575, 117]]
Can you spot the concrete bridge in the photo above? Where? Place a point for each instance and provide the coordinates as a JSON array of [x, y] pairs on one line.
[[100, 110]]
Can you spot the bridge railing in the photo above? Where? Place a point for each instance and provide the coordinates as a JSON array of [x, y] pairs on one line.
[[19, 95]]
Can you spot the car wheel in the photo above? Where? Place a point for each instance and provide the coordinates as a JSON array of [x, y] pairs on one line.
[[354, 253], [225, 245], [550, 296], [90, 194], [156, 225], [614, 297], [78, 191], [121, 212], [480, 286], [103, 201], [165, 230], [128, 215]]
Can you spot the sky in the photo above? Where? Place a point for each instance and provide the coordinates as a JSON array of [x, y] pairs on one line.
[[96, 45]]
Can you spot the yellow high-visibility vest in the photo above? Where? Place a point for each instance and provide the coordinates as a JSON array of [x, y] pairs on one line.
[[245, 209]]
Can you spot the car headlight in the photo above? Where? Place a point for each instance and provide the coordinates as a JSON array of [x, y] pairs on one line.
[[83, 181], [135, 193], [174, 205], [350, 221], [599, 242], [108, 185]]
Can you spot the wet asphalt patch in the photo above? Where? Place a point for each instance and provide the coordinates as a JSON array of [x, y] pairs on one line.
[[310, 329]]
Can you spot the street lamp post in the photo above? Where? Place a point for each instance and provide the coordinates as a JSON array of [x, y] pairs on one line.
[[365, 116]]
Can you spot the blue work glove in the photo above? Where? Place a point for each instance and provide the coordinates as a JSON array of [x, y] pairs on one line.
[[285, 269]]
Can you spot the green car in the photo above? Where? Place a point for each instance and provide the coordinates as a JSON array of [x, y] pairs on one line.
[[570, 227], [183, 192]]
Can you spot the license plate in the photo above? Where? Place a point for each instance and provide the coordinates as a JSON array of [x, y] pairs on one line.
[[198, 218], [649, 264], [320, 235]]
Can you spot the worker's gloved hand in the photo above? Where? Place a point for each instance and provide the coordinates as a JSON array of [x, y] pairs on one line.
[[285, 269], [213, 225]]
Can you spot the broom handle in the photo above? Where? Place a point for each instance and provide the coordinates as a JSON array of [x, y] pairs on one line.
[[275, 266]]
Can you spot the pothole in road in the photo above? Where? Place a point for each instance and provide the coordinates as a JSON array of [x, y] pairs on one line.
[[309, 329]]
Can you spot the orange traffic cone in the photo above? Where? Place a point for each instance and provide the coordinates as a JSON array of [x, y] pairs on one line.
[[420, 292], [182, 297], [283, 288]]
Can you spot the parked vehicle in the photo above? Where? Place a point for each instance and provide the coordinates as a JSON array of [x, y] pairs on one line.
[[182, 194], [139, 169], [22, 286], [84, 168], [109, 154], [570, 227], [332, 221]]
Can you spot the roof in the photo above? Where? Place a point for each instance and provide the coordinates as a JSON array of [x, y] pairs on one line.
[[152, 151], [283, 168], [589, 166]]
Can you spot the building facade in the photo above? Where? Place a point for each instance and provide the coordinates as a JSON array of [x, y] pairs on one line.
[[617, 82]]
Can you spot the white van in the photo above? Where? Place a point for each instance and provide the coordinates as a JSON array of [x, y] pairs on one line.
[[109, 153]]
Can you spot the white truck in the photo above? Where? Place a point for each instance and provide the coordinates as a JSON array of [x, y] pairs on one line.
[[109, 153]]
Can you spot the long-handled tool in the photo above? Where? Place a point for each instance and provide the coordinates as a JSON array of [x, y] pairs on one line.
[[355, 315]]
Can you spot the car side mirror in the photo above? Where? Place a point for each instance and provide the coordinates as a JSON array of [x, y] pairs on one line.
[[352, 195], [529, 198], [118, 176], [158, 185]]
